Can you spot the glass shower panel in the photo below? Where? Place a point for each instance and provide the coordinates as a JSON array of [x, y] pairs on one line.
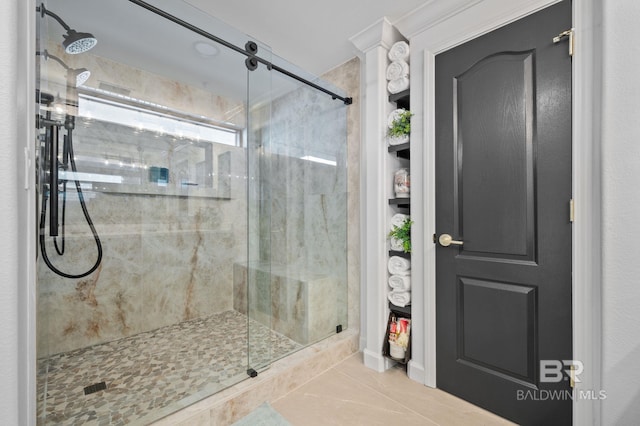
[[307, 182], [153, 151]]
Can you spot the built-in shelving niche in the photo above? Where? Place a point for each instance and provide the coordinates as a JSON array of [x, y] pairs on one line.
[[401, 151]]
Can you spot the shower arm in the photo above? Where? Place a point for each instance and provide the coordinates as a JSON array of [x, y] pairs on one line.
[[43, 11], [45, 54]]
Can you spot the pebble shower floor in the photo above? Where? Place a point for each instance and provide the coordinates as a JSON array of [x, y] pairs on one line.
[[147, 373]]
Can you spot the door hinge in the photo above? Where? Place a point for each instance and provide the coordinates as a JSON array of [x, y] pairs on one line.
[[572, 211], [572, 381], [569, 33]]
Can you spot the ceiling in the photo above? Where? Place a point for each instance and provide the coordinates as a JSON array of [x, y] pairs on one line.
[[313, 36]]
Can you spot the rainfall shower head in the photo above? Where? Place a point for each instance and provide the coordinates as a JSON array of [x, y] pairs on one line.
[[74, 42]]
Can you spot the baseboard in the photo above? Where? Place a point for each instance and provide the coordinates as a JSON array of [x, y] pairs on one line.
[[374, 360], [416, 372]]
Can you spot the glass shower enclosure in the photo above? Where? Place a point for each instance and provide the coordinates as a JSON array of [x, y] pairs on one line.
[[192, 210]]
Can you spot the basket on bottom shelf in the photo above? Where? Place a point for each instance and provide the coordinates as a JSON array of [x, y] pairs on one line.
[[397, 340]]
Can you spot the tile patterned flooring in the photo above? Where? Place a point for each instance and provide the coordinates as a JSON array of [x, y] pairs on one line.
[[151, 372], [351, 394]]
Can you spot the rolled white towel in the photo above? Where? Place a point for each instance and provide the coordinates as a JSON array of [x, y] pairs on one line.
[[399, 265], [399, 51], [399, 298], [398, 85], [394, 115], [400, 282], [397, 69], [398, 219], [395, 244]]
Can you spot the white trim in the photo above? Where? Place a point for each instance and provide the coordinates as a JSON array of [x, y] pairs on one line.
[[373, 262], [423, 102], [361, 212], [587, 308], [26, 207]]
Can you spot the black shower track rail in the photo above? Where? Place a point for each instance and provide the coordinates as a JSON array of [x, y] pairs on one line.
[[249, 51]]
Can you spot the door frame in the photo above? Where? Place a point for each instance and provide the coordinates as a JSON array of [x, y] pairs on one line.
[[454, 24]]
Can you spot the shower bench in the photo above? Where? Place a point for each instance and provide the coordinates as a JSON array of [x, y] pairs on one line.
[[299, 304]]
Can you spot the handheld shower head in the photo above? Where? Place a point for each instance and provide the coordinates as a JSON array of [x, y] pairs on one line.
[[78, 76], [75, 77], [74, 42]]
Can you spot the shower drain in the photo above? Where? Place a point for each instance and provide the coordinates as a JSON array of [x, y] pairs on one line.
[[95, 388]]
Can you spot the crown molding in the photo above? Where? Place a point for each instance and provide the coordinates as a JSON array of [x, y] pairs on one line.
[[431, 13], [380, 33]]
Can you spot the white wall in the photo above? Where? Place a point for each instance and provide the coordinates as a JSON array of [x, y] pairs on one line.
[[621, 212], [9, 391]]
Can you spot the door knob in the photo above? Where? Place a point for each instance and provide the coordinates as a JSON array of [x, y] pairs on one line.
[[446, 240]]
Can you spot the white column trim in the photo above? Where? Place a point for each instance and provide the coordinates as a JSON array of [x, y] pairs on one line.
[[373, 240], [373, 43]]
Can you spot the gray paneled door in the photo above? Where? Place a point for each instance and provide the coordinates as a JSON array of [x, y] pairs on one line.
[[503, 179]]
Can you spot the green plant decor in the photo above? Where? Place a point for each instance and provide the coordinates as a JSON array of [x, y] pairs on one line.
[[403, 233], [401, 125]]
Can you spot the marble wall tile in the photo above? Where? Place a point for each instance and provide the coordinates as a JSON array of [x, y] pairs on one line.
[[100, 307], [240, 301], [323, 318], [165, 260], [144, 282], [232, 173]]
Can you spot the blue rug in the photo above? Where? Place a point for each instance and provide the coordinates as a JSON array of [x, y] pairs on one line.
[[264, 415]]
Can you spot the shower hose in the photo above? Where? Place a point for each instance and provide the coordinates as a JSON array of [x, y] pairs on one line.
[[68, 156]]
